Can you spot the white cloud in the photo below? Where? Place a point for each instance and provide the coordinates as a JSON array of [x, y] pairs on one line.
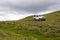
[[11, 15]]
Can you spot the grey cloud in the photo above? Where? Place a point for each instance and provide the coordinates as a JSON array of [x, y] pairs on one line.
[[38, 6], [24, 7], [33, 6]]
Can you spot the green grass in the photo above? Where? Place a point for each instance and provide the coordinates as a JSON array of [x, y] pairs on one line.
[[29, 29]]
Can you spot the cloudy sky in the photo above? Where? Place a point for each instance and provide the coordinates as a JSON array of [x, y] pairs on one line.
[[17, 9]]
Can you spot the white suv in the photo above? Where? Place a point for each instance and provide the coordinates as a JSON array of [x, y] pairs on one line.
[[39, 17]]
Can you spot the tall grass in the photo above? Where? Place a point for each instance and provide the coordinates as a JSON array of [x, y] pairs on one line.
[[29, 29]]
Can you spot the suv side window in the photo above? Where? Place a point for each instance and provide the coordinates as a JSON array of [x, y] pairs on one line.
[[35, 15]]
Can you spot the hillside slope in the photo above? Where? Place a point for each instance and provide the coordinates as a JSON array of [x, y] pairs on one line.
[[28, 29]]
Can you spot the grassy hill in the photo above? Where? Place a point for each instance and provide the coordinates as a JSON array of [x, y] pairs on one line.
[[28, 29]]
